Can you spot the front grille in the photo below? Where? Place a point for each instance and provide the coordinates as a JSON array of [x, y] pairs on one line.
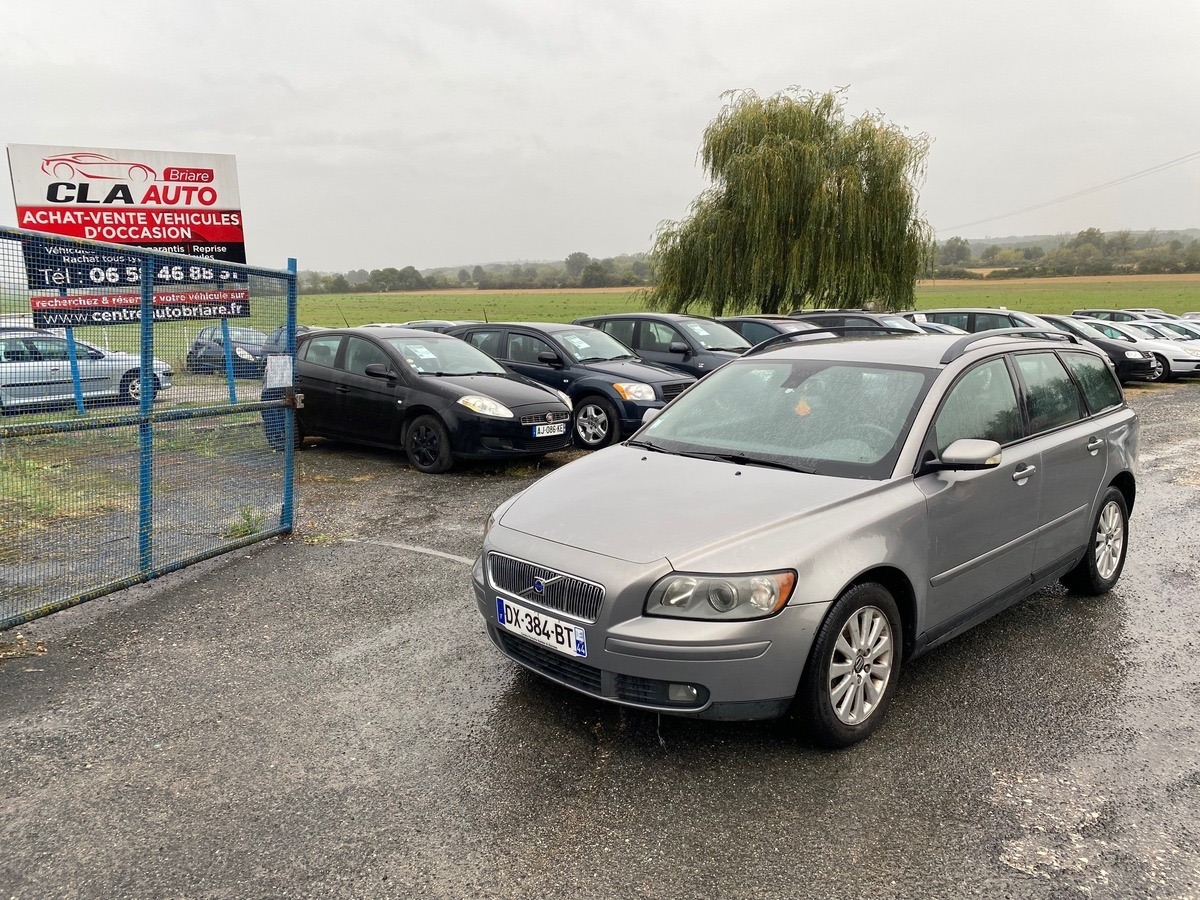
[[540, 418], [561, 592], [671, 391], [548, 662]]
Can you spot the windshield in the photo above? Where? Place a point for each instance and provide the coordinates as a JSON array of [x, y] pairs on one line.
[[899, 322], [247, 336], [714, 335], [591, 345], [831, 418], [436, 355]]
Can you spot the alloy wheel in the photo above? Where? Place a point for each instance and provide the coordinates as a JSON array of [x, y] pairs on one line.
[[1110, 539], [592, 425], [861, 665], [426, 445]]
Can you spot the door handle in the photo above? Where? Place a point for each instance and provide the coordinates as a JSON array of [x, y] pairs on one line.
[[1022, 474], [342, 389], [1095, 444]]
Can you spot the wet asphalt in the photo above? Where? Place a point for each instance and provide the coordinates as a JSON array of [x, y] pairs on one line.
[[323, 716]]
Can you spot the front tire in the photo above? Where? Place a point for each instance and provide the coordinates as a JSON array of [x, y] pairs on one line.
[[1104, 560], [851, 672], [596, 423], [427, 444], [1161, 370]]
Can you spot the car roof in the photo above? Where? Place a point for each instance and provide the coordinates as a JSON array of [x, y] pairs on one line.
[[381, 331], [928, 351], [651, 315], [750, 317]]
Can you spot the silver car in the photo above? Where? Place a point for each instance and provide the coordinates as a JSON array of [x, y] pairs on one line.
[[799, 523], [35, 368]]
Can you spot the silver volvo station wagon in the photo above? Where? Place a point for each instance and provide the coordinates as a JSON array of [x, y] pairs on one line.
[[862, 499]]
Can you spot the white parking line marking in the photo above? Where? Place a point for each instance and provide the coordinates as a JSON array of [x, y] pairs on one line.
[[413, 549]]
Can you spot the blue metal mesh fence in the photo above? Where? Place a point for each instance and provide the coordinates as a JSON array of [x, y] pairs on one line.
[[145, 420]]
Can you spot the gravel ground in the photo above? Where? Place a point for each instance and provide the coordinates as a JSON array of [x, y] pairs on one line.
[[323, 716]]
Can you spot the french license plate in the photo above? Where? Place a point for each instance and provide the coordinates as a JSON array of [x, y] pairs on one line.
[[550, 430], [535, 626]]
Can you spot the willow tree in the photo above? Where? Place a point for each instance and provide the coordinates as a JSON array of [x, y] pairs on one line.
[[805, 209]]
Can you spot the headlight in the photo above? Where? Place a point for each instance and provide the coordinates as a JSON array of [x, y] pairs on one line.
[[486, 406], [1191, 351], [634, 390], [720, 597], [1134, 354], [565, 399]]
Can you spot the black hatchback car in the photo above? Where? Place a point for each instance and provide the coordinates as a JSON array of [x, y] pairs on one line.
[[247, 351], [693, 344], [435, 396], [1130, 364], [757, 329], [610, 387]]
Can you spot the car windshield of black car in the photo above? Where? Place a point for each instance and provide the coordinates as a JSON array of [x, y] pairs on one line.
[[591, 345], [435, 355]]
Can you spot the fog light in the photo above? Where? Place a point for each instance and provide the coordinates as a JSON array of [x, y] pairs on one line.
[[682, 693]]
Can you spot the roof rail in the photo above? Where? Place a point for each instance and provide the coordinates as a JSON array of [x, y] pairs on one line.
[[959, 347], [825, 333]]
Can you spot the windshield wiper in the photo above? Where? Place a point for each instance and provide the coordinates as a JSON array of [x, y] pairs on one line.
[[742, 459], [647, 445]]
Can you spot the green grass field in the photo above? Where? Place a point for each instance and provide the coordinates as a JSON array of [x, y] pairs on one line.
[[1174, 294]]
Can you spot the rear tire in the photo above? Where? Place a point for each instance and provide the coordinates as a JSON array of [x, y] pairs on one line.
[[1108, 543], [427, 443], [131, 387], [852, 669]]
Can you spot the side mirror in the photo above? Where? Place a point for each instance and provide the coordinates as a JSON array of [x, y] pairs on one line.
[[379, 370], [971, 453], [679, 347], [550, 358], [95, 354], [650, 415]]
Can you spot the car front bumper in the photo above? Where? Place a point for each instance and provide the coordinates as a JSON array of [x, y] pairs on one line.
[[483, 437], [740, 670]]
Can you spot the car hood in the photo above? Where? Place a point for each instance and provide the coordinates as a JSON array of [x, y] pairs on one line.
[[640, 506], [634, 370], [511, 390]]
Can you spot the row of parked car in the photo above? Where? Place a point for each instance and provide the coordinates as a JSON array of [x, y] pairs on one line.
[[442, 390]]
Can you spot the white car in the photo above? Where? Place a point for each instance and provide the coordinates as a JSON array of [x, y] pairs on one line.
[[35, 368], [1173, 358]]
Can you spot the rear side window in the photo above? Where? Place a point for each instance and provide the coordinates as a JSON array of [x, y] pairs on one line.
[[487, 341], [1100, 388], [621, 329], [1052, 396], [982, 405], [321, 351], [958, 320]]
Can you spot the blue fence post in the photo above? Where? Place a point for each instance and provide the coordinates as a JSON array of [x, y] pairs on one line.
[[145, 430], [76, 385], [228, 361], [287, 512]]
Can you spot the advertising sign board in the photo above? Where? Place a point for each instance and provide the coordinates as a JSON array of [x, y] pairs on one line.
[[156, 200]]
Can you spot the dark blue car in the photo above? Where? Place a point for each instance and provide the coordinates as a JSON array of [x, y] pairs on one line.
[[609, 386]]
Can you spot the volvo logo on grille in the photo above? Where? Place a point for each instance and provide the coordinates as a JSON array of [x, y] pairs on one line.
[[540, 584]]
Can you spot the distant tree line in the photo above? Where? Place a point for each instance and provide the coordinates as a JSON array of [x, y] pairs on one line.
[[577, 271], [1090, 252]]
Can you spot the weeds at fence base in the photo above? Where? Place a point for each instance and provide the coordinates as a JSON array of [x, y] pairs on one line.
[[249, 521]]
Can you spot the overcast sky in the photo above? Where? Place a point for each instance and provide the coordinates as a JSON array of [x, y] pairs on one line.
[[455, 132]]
